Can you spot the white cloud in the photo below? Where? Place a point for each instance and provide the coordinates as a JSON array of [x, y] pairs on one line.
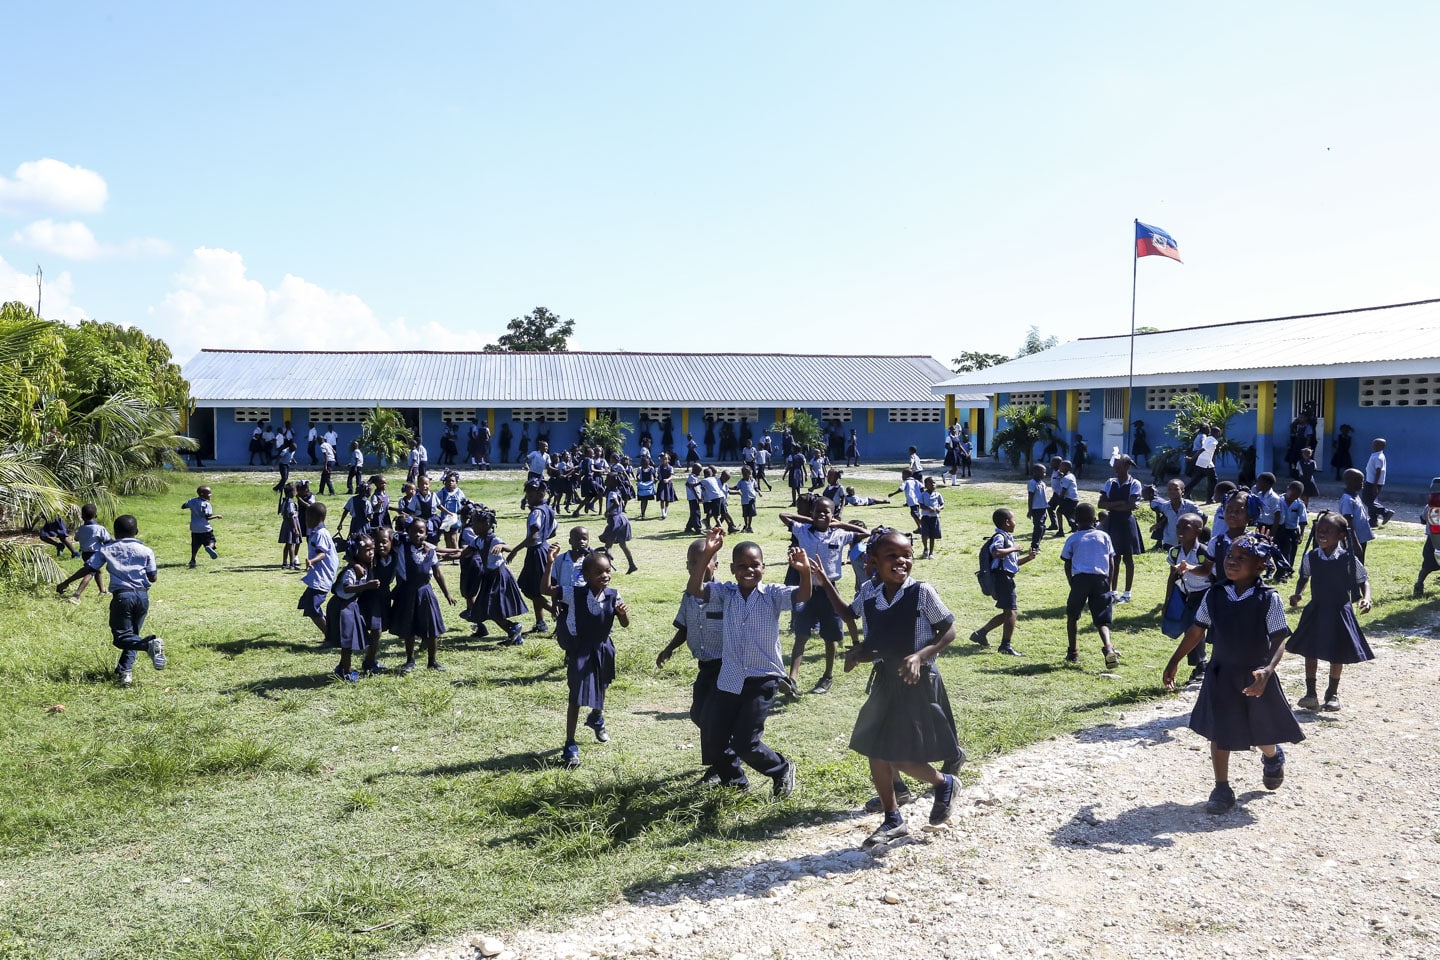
[[216, 304], [47, 186], [75, 241], [57, 302]]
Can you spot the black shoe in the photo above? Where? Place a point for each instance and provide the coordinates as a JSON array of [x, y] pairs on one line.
[[944, 796], [1006, 650], [407, 666], [1222, 800], [435, 665], [785, 781], [1274, 769], [891, 828], [902, 797], [952, 767], [788, 687], [979, 639], [824, 685], [596, 722]]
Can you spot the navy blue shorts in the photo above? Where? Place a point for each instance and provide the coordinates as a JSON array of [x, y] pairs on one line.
[[312, 602], [1092, 589], [1005, 598], [818, 614]]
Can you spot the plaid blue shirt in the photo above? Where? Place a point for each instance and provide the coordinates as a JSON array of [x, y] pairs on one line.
[[934, 615], [1089, 551], [752, 631], [704, 633]]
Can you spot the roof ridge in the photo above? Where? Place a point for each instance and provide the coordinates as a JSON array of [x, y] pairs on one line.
[[589, 353], [1297, 316]]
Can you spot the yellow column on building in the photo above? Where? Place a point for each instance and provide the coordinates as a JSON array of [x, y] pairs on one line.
[[870, 420], [1264, 424], [184, 419], [589, 414], [1072, 410], [1329, 412], [490, 418], [950, 415], [1219, 391], [684, 419], [1054, 403], [782, 414], [285, 415], [994, 416]]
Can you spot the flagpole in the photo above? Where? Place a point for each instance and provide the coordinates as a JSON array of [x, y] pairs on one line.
[[1130, 382]]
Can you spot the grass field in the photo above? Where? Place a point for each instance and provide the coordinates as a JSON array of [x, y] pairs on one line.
[[243, 805]]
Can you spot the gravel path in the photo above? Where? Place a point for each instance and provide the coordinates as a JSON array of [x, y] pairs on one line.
[[1096, 845]]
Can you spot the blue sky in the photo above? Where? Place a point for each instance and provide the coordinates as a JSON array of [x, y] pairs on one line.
[[837, 177]]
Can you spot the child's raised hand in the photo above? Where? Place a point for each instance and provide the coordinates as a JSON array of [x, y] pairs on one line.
[[1294, 599], [815, 566], [714, 539], [621, 609], [798, 558]]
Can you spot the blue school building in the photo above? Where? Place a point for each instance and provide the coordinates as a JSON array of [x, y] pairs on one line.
[[887, 400], [1376, 370]]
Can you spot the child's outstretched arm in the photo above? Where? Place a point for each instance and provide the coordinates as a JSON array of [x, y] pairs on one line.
[[800, 562], [910, 667], [1190, 641], [676, 642], [696, 586], [622, 613]]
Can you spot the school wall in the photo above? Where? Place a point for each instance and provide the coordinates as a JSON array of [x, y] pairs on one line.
[[880, 440], [1412, 433]]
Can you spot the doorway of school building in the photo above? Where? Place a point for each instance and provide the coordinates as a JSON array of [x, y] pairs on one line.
[[412, 422], [1310, 394], [1112, 425]]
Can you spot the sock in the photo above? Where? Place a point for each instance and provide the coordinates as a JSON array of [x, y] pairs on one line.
[[1309, 686], [1332, 689]]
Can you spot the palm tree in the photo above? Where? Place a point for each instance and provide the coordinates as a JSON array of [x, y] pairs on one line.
[[1025, 426]]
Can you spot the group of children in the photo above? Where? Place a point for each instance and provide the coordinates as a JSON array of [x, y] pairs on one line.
[[1216, 594]]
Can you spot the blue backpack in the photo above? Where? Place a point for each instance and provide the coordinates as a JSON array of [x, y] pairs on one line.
[[985, 575]]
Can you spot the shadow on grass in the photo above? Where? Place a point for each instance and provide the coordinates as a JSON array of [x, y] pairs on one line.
[[265, 688], [663, 714], [548, 675], [1015, 669], [1152, 826], [1124, 698], [233, 648], [505, 763]]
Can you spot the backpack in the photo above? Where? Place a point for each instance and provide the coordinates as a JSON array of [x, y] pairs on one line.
[[985, 575]]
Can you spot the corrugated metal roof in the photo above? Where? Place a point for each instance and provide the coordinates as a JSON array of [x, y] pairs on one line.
[[433, 378], [1399, 339]]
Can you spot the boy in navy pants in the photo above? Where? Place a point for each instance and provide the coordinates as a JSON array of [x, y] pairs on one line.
[[132, 569]]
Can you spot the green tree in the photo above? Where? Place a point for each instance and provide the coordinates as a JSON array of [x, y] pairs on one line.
[[606, 433], [804, 428], [103, 360], [1191, 410], [1034, 343], [384, 436], [971, 360], [539, 331], [1025, 426]]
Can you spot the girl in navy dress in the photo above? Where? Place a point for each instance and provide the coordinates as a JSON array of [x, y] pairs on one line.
[[646, 483], [345, 617], [490, 591], [1241, 704], [375, 604], [617, 525], [590, 613], [906, 723], [416, 612], [1118, 498], [379, 503], [852, 450], [290, 536], [1328, 629], [795, 474], [534, 576]]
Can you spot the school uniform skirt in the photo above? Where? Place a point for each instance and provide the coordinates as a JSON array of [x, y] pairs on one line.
[[288, 534], [1124, 534], [534, 576], [617, 530], [1225, 716], [1329, 632], [416, 612], [589, 671], [345, 624], [499, 597], [375, 607], [905, 723], [665, 491]]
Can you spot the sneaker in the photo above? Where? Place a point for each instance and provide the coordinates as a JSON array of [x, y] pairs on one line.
[[1222, 800], [1112, 658], [1332, 702], [192, 564], [124, 678], [1308, 702], [1009, 651], [435, 665], [596, 722], [710, 780], [1418, 591], [157, 652], [1072, 659], [891, 828], [480, 630], [374, 668], [902, 797], [940, 809], [979, 639], [952, 767], [632, 569], [1274, 769], [785, 781], [788, 687], [351, 677], [211, 550], [541, 627], [824, 685], [408, 666], [570, 756], [73, 598], [517, 637], [1125, 597]]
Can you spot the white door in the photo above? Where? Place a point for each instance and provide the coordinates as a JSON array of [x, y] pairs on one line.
[[1112, 426]]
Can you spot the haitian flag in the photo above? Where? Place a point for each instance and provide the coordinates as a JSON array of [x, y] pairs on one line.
[[1154, 242]]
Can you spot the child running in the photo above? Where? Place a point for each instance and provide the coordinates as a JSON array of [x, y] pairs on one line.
[[1004, 559], [1088, 554], [202, 534], [825, 539], [534, 579], [1241, 704], [90, 537], [416, 612], [489, 589], [1328, 629], [590, 613], [617, 525], [733, 722], [132, 570], [345, 615], [906, 723], [1189, 580]]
